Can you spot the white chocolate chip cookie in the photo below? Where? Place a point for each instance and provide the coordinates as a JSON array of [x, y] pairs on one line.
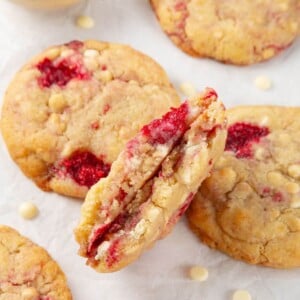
[[249, 206]]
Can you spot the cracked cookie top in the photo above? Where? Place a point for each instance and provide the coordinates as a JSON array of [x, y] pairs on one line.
[[69, 111], [242, 32], [27, 271], [250, 205]]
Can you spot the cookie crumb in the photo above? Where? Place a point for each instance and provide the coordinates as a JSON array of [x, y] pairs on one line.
[[241, 295], [85, 22], [198, 273], [28, 210], [188, 89], [263, 82]]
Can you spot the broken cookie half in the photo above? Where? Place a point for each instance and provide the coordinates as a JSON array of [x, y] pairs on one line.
[[151, 183]]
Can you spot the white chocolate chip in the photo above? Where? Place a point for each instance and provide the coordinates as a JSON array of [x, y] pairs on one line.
[[241, 295], [264, 121], [57, 103], [30, 293], [229, 177], [294, 171], [56, 124], [102, 249], [85, 22], [91, 63], [188, 89], [53, 53], [139, 229], [259, 153], [292, 187], [295, 202], [115, 205], [198, 273], [67, 53], [28, 210], [91, 53], [162, 149], [104, 76], [263, 82], [68, 149], [276, 178]]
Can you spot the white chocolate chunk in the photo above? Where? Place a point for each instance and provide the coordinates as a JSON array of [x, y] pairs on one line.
[[30, 293], [139, 230], [91, 53], [67, 53], [241, 295], [102, 249], [90, 63], [292, 187], [198, 273], [57, 103], [188, 89], [259, 153], [295, 202], [263, 82], [294, 171], [85, 22], [276, 178], [28, 210]]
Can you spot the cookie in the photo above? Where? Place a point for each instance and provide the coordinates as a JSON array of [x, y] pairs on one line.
[[27, 272], [249, 207], [151, 183], [239, 33], [68, 112]]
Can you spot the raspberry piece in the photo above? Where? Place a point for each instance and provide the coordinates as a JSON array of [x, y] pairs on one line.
[[59, 73], [160, 131], [85, 168], [241, 136]]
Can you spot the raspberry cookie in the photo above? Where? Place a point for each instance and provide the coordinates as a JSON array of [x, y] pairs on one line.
[[242, 33], [249, 207], [151, 184], [27, 272], [69, 111]]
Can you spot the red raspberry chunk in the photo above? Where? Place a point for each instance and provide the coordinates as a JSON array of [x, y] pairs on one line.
[[241, 136], [60, 73], [85, 168], [160, 131]]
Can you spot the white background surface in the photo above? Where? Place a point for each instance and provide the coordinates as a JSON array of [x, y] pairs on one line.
[[161, 272]]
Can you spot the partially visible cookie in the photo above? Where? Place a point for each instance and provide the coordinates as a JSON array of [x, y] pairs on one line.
[[242, 33], [249, 207], [151, 183], [27, 272], [69, 111]]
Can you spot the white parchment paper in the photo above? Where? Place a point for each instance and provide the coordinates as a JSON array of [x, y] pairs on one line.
[[161, 272]]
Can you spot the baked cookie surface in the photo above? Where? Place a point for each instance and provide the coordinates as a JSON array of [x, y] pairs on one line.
[[151, 184], [241, 33], [27, 272], [249, 207], [69, 111]]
